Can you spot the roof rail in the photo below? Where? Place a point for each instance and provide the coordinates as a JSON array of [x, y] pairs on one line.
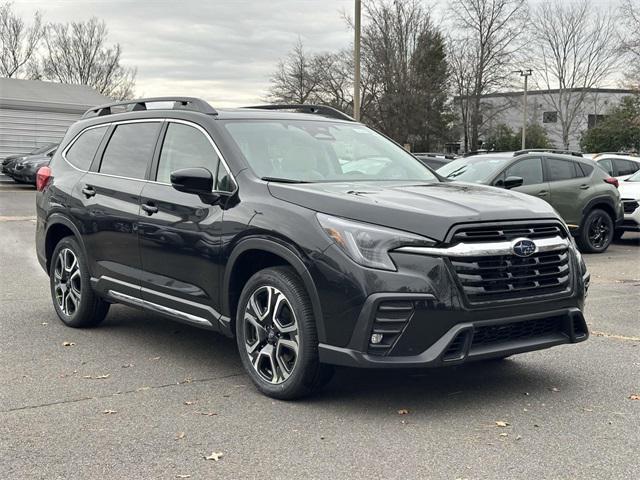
[[629, 154], [547, 150], [179, 103], [306, 108]]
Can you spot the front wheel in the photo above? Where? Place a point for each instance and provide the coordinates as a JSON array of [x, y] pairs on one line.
[[276, 335], [596, 232]]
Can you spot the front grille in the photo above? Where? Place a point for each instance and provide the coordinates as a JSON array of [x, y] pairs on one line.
[[629, 205], [507, 277], [497, 233], [390, 320], [495, 334]]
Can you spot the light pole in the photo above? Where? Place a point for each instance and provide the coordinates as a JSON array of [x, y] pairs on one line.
[[356, 54], [525, 74]]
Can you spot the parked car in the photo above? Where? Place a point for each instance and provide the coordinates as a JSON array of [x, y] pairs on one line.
[[630, 193], [434, 160], [618, 165], [243, 221], [585, 196], [24, 171], [8, 163]]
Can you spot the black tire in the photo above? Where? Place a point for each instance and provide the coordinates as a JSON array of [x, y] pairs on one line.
[[596, 232], [65, 286], [263, 339], [617, 234]]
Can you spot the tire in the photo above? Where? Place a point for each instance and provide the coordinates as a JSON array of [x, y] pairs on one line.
[[75, 302], [617, 235], [274, 324], [596, 232]]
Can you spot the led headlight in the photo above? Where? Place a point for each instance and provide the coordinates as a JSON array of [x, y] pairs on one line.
[[368, 244]]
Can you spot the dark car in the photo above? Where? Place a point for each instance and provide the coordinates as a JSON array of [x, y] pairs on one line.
[[310, 238], [8, 163], [24, 171], [585, 196], [434, 160]]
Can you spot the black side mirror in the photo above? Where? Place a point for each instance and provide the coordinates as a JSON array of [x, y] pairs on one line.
[[196, 180], [512, 182]]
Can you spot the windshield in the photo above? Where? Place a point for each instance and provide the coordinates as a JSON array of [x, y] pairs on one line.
[[320, 151], [42, 149], [634, 178], [478, 169]]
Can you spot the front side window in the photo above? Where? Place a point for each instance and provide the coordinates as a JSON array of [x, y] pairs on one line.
[[130, 149], [476, 169], [184, 147], [82, 151], [530, 170], [560, 170], [322, 151]]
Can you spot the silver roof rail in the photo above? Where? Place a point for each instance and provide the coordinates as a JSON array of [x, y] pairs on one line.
[[179, 103]]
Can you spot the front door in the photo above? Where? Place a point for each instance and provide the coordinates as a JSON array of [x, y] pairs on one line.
[[530, 170], [179, 233]]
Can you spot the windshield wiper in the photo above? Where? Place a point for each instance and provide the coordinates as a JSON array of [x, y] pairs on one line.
[[282, 180]]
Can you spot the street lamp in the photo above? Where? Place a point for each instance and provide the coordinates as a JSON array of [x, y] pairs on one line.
[[525, 74], [356, 54]]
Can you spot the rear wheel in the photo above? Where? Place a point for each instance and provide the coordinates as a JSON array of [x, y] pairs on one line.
[[596, 232], [276, 335], [74, 300]]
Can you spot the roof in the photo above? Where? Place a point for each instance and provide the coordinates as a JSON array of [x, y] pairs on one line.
[[48, 96], [519, 93]]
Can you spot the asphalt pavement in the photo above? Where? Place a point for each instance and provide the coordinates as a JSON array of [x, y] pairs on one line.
[[141, 397]]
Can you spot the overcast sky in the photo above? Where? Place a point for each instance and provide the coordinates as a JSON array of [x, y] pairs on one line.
[[221, 50]]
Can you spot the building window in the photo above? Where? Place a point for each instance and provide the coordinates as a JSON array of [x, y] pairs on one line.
[[549, 117], [593, 120]]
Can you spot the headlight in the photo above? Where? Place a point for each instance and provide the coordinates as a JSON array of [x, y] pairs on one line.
[[368, 244]]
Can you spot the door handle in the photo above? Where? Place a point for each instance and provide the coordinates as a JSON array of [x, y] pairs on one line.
[[88, 191], [150, 208], [584, 186], [543, 193]]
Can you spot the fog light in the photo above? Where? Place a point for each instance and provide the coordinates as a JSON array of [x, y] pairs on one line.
[[376, 338]]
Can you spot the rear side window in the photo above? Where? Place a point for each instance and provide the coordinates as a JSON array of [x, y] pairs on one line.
[[82, 151], [185, 147], [560, 169], [625, 167], [530, 170], [130, 149]]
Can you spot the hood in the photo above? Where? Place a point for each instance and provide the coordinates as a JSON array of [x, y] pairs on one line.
[[428, 209], [36, 159], [629, 190]]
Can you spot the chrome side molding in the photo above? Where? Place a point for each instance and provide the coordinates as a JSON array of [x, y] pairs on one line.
[[487, 249]]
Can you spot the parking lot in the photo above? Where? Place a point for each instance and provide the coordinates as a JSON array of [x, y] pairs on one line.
[[143, 397]]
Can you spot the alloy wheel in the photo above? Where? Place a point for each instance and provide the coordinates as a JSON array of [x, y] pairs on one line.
[[271, 334], [599, 231], [67, 284]]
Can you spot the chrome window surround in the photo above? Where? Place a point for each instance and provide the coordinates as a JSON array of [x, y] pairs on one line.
[[487, 249], [151, 120]]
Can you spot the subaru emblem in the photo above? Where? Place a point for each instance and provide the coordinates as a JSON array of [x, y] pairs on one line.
[[523, 247]]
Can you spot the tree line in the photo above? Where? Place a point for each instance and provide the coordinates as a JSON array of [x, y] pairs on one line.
[[74, 52], [424, 78]]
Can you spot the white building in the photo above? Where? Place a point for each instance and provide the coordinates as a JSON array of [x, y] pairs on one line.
[[542, 109], [34, 113]]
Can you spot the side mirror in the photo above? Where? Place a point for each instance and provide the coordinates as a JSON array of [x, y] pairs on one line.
[[512, 182], [195, 180]]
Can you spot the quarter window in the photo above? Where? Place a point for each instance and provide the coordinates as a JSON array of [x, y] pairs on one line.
[[83, 150], [560, 170], [130, 149], [606, 165], [185, 147], [530, 170]]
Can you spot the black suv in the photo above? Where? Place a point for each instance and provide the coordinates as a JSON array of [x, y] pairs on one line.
[[310, 238]]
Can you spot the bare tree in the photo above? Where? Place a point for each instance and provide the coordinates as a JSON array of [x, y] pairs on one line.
[[488, 32], [78, 53], [576, 50], [297, 77], [629, 40], [18, 42]]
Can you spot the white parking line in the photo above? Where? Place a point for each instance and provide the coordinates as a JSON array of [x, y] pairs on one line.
[[17, 219]]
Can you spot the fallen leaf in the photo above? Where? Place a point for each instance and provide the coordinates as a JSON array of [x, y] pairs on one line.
[[109, 412], [68, 344], [183, 476], [634, 396], [101, 377], [501, 423], [587, 409], [504, 434], [155, 358], [403, 411], [518, 437], [554, 389], [45, 323], [180, 436], [189, 402], [127, 365], [214, 456], [536, 425], [207, 414]]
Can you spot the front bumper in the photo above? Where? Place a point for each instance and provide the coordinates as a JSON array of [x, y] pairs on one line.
[[631, 222]]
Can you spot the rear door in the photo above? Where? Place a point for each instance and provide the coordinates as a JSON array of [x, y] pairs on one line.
[[110, 194], [179, 233], [531, 171], [570, 188]]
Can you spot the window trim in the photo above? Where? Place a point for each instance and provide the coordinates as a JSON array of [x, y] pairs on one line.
[[109, 125], [547, 175]]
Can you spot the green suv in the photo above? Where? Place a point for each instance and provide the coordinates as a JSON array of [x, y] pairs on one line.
[[583, 194]]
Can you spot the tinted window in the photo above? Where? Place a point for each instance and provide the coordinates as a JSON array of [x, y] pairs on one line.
[[625, 167], [130, 149], [530, 170], [606, 165], [185, 147], [560, 170], [85, 147], [584, 170]]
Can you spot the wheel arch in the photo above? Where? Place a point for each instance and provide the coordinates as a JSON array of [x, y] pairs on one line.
[[58, 228], [603, 203], [254, 254]]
